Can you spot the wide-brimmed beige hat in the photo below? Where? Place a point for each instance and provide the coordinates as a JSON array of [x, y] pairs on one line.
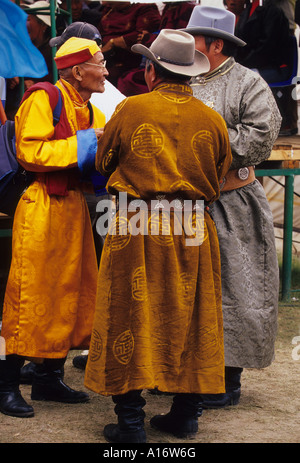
[[44, 15], [175, 51]]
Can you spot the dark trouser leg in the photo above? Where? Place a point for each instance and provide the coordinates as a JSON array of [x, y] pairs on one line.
[[11, 400], [232, 394], [182, 419], [130, 413], [48, 384]]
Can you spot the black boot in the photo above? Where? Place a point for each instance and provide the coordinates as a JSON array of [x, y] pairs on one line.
[[80, 361], [11, 400], [48, 384], [28, 372], [130, 427], [232, 394], [182, 419]]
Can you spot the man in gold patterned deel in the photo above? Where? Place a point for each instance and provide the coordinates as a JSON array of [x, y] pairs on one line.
[[158, 320]]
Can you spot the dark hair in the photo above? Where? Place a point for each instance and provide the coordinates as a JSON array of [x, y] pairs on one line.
[[164, 73], [229, 48]]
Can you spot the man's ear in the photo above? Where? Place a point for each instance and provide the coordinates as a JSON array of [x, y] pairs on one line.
[[218, 45], [151, 71], [77, 72]]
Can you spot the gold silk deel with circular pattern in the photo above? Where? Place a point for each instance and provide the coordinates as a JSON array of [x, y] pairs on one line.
[[196, 227], [121, 187], [119, 107], [187, 286], [96, 346], [159, 228], [123, 347], [39, 307], [176, 97], [147, 141], [23, 345], [139, 287], [108, 161], [119, 233], [201, 142], [182, 185]]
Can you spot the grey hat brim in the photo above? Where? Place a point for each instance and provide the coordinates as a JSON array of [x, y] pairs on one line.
[[201, 64], [214, 33]]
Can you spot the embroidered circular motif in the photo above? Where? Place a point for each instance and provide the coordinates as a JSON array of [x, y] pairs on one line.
[[59, 346], [187, 285], [159, 228], [69, 305], [181, 185], [172, 94], [175, 98], [147, 141], [25, 345], [38, 239], [107, 161], [119, 233], [202, 143], [96, 346], [123, 347], [139, 287], [196, 228], [22, 268], [40, 304]]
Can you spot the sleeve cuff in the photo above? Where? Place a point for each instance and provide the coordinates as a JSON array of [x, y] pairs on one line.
[[99, 182], [86, 150]]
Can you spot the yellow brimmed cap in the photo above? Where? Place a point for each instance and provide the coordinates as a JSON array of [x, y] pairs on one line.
[[75, 51]]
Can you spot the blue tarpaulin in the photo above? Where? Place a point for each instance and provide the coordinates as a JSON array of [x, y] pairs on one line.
[[18, 56]]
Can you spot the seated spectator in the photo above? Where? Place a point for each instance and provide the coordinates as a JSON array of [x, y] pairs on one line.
[[81, 11], [122, 25], [175, 15]]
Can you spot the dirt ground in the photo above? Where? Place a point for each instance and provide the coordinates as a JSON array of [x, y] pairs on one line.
[[269, 409]]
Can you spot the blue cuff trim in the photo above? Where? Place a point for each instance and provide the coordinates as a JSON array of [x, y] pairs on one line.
[[86, 150], [99, 182]]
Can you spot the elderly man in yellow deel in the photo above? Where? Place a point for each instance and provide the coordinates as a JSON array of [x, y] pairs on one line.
[[158, 320], [50, 295]]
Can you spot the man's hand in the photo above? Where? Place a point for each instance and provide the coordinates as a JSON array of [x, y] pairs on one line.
[[99, 133], [13, 82]]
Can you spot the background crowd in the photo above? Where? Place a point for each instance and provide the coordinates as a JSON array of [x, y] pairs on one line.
[[268, 28]]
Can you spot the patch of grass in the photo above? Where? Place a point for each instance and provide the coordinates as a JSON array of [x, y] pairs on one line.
[[296, 273], [289, 312], [295, 277]]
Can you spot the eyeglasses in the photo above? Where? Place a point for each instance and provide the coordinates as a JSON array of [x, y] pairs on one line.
[[101, 65]]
